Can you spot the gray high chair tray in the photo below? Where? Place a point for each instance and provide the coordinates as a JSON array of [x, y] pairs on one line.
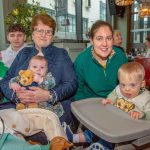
[[110, 123]]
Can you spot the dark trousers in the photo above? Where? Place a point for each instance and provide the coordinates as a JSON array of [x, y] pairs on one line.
[[67, 116]]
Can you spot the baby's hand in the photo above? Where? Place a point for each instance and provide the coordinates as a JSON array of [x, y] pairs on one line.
[[37, 78], [135, 115], [15, 87], [106, 101]]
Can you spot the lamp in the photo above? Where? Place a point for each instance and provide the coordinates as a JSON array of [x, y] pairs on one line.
[[124, 2], [144, 9]]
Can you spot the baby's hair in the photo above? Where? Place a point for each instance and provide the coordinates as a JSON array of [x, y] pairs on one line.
[[132, 69], [40, 58]]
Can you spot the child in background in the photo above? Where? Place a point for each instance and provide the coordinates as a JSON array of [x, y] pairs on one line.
[[130, 96], [16, 36], [38, 65]]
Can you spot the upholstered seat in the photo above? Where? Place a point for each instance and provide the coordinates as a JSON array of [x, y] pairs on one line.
[[146, 64]]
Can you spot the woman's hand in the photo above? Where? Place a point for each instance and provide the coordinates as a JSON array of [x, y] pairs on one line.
[[35, 94]]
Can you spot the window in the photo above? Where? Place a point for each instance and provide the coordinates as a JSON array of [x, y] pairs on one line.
[[102, 11], [140, 27]]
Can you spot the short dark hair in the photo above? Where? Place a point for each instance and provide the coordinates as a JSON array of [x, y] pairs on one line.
[[15, 28]]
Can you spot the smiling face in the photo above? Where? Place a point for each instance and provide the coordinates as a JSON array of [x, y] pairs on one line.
[[16, 39], [42, 35], [102, 42]]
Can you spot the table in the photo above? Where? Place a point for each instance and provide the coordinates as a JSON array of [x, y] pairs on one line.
[[110, 123]]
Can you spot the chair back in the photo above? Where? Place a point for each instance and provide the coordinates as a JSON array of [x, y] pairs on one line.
[[146, 64]]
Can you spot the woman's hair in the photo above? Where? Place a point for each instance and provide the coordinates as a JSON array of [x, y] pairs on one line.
[[45, 19], [116, 33], [40, 58], [15, 28], [133, 70], [96, 26], [117, 37]]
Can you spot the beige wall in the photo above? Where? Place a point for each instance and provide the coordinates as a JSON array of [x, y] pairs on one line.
[[124, 25]]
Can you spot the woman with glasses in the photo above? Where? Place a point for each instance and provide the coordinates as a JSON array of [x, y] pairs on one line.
[[43, 29]]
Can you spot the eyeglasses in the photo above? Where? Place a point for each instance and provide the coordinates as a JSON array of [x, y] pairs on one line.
[[42, 31], [132, 85]]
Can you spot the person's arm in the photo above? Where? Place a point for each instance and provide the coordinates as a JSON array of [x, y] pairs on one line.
[[14, 84], [143, 106], [4, 83], [3, 69], [147, 110], [48, 82], [113, 96], [80, 77], [19, 63], [68, 85]]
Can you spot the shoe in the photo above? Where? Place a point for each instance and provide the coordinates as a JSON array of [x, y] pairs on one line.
[[97, 146]]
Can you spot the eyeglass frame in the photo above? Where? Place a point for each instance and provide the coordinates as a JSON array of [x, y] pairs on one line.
[[48, 32], [131, 85]]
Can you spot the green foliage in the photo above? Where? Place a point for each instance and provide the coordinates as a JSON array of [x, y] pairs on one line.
[[22, 14]]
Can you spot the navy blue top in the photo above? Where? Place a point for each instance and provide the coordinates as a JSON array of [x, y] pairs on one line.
[[59, 64]]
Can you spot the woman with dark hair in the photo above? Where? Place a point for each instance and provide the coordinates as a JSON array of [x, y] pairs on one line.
[[96, 68]]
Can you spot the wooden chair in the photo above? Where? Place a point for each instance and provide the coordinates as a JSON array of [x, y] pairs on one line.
[[146, 64]]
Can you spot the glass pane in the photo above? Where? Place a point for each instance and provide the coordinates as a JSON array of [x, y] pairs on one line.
[[103, 10], [140, 27]]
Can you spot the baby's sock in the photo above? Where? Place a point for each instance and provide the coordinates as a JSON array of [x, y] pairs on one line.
[[72, 137], [76, 138]]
